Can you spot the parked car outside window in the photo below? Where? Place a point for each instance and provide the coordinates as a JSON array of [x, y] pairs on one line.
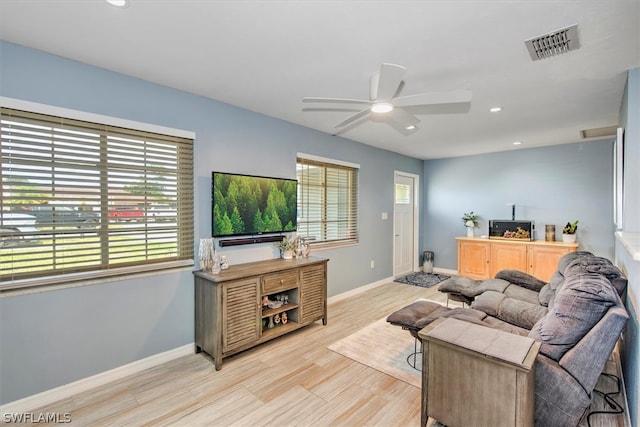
[[162, 213], [61, 216], [126, 213], [14, 227]]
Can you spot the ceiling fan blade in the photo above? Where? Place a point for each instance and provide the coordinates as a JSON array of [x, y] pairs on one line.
[[454, 97], [403, 118], [336, 100], [385, 84], [353, 118], [333, 109]]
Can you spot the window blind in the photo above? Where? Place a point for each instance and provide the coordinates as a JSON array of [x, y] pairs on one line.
[[80, 196], [327, 202]]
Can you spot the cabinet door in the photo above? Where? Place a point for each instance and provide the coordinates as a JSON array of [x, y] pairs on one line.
[[240, 314], [473, 259], [508, 256], [543, 260], [313, 294]]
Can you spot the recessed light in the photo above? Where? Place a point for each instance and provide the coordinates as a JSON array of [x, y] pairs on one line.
[[118, 3], [517, 143], [381, 107], [410, 127], [495, 109]]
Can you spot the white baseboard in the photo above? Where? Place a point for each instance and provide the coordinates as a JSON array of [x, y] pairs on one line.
[[446, 271], [358, 290], [50, 396]]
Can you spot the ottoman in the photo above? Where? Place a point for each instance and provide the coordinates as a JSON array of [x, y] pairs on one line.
[[413, 318]]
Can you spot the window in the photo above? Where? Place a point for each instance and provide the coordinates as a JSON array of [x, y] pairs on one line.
[[83, 197], [327, 200]]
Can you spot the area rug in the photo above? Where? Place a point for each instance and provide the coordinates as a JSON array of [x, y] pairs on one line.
[[425, 280], [383, 347]]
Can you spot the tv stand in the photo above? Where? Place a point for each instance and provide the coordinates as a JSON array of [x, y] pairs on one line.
[[249, 240], [230, 315]]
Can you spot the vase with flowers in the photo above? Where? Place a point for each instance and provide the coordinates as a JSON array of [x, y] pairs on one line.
[[286, 246], [470, 221]]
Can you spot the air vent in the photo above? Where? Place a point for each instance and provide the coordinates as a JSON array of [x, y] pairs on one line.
[[555, 43], [599, 132]]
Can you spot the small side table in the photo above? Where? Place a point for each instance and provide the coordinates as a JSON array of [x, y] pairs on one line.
[[475, 375]]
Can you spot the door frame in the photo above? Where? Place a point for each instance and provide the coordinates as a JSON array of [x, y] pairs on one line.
[[416, 219]]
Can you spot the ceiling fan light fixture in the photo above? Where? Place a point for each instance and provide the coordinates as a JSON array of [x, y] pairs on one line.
[[381, 107]]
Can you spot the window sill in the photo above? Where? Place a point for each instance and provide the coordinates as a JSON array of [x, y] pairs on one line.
[[66, 281], [332, 245], [631, 242]]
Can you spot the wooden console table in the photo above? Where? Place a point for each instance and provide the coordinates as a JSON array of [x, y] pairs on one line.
[[474, 375], [481, 258], [229, 312]]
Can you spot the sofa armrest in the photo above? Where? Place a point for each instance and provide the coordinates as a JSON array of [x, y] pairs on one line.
[[496, 344], [472, 372], [586, 360]]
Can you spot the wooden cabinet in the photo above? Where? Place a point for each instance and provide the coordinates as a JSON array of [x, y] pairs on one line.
[[543, 259], [474, 259], [480, 258], [505, 255], [229, 313]]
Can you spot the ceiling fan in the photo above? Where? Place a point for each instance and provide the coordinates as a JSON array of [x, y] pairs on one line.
[[385, 104]]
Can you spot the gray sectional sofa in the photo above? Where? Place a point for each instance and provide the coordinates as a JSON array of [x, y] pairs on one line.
[[577, 317]]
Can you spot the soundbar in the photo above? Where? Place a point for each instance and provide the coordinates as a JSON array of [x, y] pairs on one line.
[[249, 240]]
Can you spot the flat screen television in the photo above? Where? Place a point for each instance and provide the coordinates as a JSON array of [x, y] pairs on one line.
[[250, 205]]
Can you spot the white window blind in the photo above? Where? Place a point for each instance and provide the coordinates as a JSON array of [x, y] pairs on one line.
[[327, 201], [80, 196]]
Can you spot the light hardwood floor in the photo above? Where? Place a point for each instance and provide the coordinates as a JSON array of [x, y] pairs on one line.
[[291, 381]]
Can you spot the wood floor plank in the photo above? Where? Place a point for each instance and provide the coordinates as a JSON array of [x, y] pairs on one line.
[[294, 380]]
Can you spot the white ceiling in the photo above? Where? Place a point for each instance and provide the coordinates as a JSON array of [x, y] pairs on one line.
[[266, 56]]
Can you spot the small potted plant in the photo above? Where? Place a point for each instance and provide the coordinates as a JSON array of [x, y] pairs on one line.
[[569, 232], [286, 246], [470, 221]]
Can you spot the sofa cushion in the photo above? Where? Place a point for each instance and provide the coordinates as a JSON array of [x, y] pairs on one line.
[[514, 311], [457, 284], [488, 302], [495, 285], [522, 294], [470, 288], [606, 268], [522, 279], [578, 305], [569, 258]]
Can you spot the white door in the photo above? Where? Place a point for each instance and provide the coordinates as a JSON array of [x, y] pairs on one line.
[[405, 227]]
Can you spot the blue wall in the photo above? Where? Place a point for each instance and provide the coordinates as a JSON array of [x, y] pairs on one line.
[[53, 338], [550, 185], [630, 120]]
